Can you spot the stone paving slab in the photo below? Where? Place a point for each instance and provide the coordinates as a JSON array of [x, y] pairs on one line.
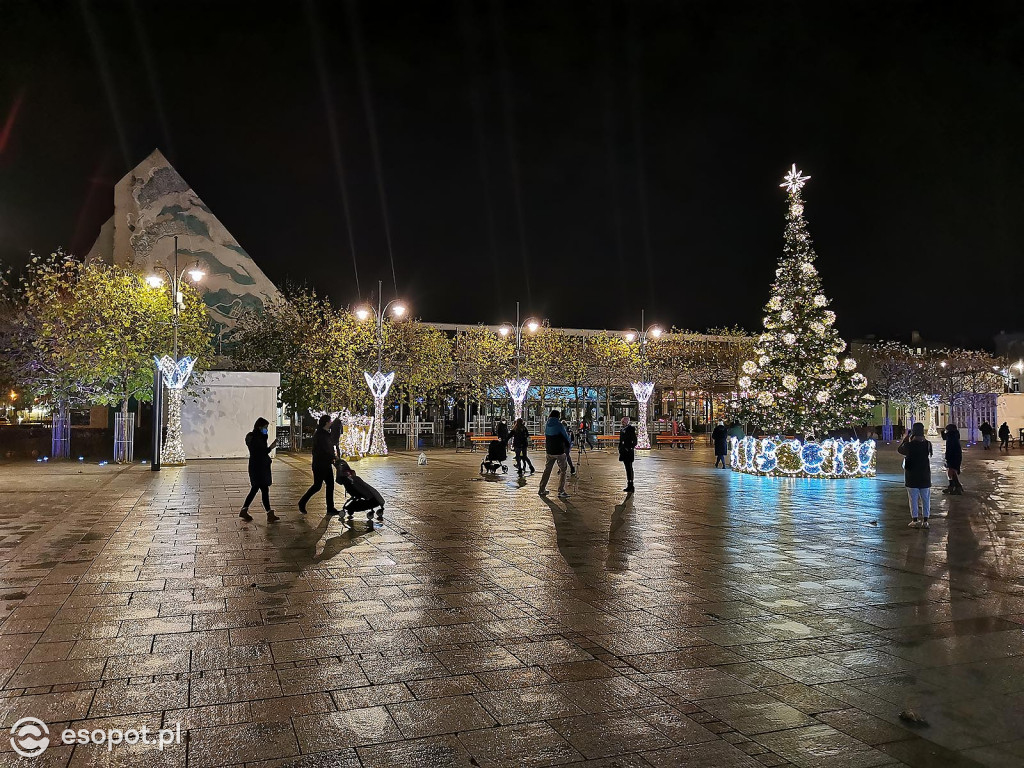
[[712, 619]]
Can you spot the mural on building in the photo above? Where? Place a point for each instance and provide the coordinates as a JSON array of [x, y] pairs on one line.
[[152, 205]]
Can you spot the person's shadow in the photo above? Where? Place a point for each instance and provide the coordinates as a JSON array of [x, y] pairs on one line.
[[570, 535], [621, 537], [298, 545]]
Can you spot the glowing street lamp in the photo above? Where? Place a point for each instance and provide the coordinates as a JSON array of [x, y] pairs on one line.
[[380, 383], [172, 452], [643, 390], [519, 386]]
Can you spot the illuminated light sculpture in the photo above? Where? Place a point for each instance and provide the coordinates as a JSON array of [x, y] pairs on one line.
[[778, 457], [175, 375], [642, 390], [800, 384], [379, 385], [356, 434], [517, 389]]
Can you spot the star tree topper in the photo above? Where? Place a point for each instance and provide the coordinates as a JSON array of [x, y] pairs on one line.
[[794, 182]]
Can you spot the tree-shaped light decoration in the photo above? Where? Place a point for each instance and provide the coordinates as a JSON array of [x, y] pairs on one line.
[[799, 381], [379, 385], [176, 375], [517, 389], [642, 390]]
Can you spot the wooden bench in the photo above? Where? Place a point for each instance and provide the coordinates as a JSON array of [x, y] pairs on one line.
[[674, 440]]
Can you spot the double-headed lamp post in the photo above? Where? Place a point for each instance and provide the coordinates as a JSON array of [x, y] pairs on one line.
[[175, 372], [518, 386], [379, 383], [643, 389]]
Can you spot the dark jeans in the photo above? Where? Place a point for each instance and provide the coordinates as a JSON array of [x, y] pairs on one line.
[[264, 490], [321, 475], [522, 460], [720, 458], [629, 473]]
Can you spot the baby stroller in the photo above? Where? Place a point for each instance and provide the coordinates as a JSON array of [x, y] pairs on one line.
[[496, 456], [362, 497]]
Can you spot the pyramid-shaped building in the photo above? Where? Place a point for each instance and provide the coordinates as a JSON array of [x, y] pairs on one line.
[[152, 204]]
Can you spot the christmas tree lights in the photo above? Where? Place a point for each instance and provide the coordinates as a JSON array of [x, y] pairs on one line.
[[797, 382]]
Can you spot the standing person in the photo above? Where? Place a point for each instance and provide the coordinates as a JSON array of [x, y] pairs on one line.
[[917, 473], [986, 434], [323, 466], [501, 431], [627, 451], [260, 477], [520, 443], [568, 448], [336, 429], [720, 437], [954, 459], [555, 441], [1004, 437]]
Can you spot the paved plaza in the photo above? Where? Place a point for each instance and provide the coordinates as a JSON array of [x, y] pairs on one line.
[[712, 619]]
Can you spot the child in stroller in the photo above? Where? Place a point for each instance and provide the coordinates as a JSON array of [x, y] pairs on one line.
[[362, 497], [497, 453]]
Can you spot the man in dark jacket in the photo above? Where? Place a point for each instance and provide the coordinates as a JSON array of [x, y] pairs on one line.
[[556, 443], [720, 436], [1004, 437], [323, 466], [627, 451]]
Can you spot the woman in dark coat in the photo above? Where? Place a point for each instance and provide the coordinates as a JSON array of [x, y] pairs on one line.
[[954, 458], [520, 442], [259, 468], [720, 435], [627, 451], [917, 475]]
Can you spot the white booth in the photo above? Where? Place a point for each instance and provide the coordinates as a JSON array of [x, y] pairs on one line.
[[214, 425]]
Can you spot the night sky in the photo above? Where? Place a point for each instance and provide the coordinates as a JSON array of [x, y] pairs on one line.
[[589, 159]]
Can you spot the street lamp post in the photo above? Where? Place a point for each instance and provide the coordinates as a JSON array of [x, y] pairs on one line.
[[519, 386], [379, 383], [175, 372], [644, 388]]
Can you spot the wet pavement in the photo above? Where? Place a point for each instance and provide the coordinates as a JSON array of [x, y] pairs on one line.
[[711, 619]]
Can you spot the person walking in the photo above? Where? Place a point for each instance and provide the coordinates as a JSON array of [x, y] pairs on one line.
[[520, 444], [986, 434], [954, 459], [555, 441], [323, 467], [260, 477], [501, 431], [720, 436], [1004, 437], [917, 473], [336, 429], [627, 451]]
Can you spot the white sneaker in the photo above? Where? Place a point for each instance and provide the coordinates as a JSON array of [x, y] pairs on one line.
[[563, 495], [914, 524], [542, 493], [925, 523]]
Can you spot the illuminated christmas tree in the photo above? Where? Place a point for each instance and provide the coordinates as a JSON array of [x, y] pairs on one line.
[[800, 381]]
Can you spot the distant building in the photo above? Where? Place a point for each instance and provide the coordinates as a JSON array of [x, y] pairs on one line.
[[152, 204]]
